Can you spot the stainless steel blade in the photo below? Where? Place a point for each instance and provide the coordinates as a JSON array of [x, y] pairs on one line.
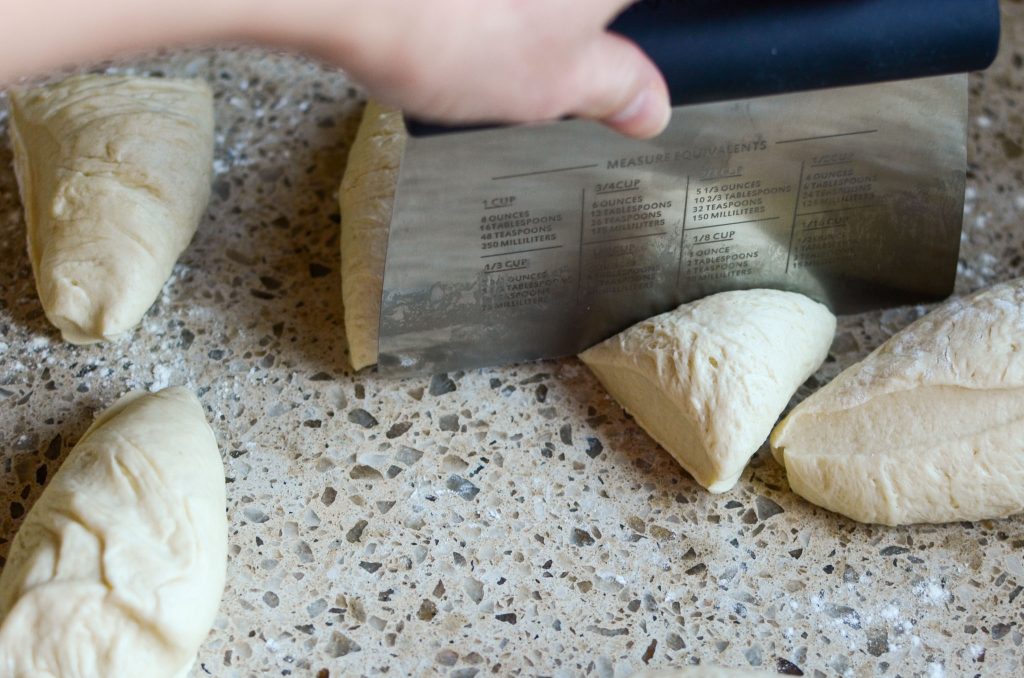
[[532, 242]]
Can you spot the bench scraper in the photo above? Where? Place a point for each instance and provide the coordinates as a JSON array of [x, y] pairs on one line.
[[816, 146]]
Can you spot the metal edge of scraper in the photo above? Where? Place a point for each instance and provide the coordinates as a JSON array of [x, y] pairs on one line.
[[954, 119]]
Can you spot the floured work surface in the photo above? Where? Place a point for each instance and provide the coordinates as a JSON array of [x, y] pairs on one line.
[[516, 244], [494, 522]]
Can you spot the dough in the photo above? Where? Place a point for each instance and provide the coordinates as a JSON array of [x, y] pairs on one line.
[[927, 429], [709, 380], [367, 197], [114, 175], [703, 672], [118, 569]]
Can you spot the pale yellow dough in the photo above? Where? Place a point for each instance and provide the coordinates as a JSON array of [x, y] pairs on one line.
[[114, 174], [927, 429], [367, 197], [709, 380], [118, 569]]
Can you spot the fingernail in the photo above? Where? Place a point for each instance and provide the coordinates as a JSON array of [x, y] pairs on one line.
[[647, 115]]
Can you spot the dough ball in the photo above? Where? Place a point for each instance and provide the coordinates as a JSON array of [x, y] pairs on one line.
[[367, 197], [118, 569], [927, 429], [708, 380], [114, 174]]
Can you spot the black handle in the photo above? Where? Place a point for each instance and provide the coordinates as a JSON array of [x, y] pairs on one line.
[[718, 50]]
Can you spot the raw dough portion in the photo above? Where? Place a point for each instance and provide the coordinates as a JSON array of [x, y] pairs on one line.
[[927, 429], [118, 569], [114, 175], [367, 197], [703, 672], [710, 379]]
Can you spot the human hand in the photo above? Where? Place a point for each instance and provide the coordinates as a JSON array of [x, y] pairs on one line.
[[459, 61], [466, 61]]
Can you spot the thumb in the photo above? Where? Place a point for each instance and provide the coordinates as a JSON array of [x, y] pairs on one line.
[[623, 88]]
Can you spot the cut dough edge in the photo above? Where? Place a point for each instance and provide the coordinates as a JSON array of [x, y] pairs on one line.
[[702, 467], [366, 200], [935, 415], [863, 477]]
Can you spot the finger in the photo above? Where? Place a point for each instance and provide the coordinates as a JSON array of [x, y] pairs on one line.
[[620, 86]]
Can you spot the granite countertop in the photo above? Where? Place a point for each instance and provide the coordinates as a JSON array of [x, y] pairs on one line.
[[504, 521]]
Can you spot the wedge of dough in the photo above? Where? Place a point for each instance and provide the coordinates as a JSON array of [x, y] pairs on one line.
[[927, 429], [118, 569], [367, 197], [114, 175], [709, 380]]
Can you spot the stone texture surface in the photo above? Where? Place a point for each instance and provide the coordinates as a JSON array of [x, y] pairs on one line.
[[507, 521]]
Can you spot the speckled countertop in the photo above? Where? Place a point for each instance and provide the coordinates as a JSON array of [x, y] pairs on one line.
[[507, 521]]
